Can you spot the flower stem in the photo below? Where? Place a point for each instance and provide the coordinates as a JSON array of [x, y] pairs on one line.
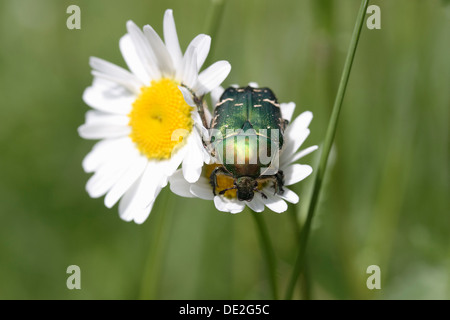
[[268, 252], [155, 258], [331, 131]]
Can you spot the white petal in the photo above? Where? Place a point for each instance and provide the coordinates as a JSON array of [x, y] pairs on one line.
[[143, 50], [253, 84], [102, 152], [99, 117], [98, 131], [212, 77], [301, 122], [131, 57], [171, 38], [142, 215], [295, 173], [198, 122], [188, 72], [109, 68], [287, 110], [157, 178], [193, 161], [227, 205], [204, 182], [298, 131], [127, 200], [289, 195], [163, 57], [175, 160], [110, 71], [108, 174], [179, 185], [300, 137], [275, 203], [207, 158], [187, 95], [256, 204], [201, 191], [216, 94], [109, 97], [201, 43], [137, 214], [304, 119], [198, 135], [143, 192], [133, 172], [300, 154]]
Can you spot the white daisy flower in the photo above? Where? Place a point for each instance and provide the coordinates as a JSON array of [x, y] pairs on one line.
[[145, 125], [294, 136]]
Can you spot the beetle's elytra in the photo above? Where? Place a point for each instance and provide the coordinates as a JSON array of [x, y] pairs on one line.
[[249, 130]]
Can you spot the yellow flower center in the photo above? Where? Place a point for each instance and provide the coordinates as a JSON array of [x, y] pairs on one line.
[[160, 119]]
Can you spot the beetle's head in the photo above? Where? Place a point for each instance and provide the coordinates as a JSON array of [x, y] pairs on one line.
[[246, 188]]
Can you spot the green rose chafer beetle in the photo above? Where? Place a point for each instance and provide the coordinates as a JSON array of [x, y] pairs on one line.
[[246, 136]]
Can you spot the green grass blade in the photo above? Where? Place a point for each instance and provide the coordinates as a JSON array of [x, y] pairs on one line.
[[331, 131]]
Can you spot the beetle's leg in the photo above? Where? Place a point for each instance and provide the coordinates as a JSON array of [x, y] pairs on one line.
[[200, 106], [275, 186], [272, 179], [285, 124], [277, 180], [201, 110], [213, 177], [225, 190], [260, 192], [213, 180], [280, 181]]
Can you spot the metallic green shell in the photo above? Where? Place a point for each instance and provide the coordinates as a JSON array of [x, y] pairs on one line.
[[256, 112]]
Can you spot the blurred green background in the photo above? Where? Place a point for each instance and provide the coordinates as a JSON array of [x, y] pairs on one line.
[[386, 197]]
